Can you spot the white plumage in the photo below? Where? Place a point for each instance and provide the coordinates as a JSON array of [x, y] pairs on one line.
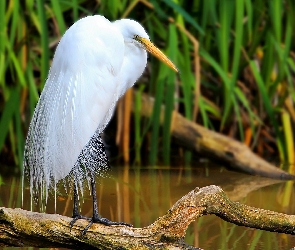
[[95, 62], [87, 76]]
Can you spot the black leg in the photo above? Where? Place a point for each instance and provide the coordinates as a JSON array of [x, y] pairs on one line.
[[96, 217], [76, 214], [76, 201]]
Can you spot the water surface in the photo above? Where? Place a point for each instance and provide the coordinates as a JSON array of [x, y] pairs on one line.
[[140, 195]]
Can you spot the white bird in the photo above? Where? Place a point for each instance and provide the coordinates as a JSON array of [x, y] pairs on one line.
[[94, 64]]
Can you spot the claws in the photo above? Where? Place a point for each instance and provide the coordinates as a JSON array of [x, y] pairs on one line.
[[96, 217], [77, 217], [107, 222], [92, 220]]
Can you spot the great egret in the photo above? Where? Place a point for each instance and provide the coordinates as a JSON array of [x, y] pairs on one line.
[[95, 62]]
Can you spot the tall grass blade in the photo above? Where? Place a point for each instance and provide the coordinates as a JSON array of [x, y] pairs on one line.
[[267, 104], [59, 16], [238, 38], [137, 127], [249, 22], [16, 64], [2, 43], [44, 40], [169, 96], [287, 128], [11, 106], [186, 16], [156, 121]]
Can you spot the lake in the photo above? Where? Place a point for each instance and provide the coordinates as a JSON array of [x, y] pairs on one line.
[[139, 195]]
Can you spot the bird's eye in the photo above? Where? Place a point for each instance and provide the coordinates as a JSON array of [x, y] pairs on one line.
[[136, 37]]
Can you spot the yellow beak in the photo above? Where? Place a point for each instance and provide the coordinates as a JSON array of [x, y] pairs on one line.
[[150, 47]]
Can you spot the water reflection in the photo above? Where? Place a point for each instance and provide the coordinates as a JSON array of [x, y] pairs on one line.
[[140, 195]]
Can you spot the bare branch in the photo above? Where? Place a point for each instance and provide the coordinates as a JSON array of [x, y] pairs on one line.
[[23, 228], [216, 145]]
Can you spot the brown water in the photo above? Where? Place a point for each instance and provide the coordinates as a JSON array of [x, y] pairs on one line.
[[140, 195]]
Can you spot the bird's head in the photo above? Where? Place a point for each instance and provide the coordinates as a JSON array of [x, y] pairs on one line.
[[133, 32]]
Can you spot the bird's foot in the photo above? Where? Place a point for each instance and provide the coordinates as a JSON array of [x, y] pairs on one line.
[[78, 217], [108, 222], [104, 221], [96, 219]]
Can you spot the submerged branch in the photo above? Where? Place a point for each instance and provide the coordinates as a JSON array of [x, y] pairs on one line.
[[22, 228], [195, 137]]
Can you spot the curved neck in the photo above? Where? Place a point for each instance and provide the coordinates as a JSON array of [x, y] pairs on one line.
[[134, 62]]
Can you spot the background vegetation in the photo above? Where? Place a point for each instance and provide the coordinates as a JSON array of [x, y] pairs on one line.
[[236, 60]]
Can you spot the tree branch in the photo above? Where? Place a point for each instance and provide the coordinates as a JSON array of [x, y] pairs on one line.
[[23, 228], [216, 145]]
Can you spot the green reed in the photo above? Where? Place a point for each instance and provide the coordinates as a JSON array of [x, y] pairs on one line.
[[245, 50]]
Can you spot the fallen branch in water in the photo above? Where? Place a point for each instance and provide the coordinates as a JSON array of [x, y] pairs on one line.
[[195, 137], [22, 228]]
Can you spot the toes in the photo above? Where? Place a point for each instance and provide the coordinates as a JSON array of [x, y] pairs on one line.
[[87, 227], [78, 217], [72, 223], [108, 222], [96, 219]]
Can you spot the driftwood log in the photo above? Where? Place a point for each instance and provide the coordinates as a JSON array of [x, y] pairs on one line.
[[215, 145], [22, 228]]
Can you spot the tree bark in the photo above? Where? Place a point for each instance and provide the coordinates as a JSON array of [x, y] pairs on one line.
[[23, 228], [209, 143]]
